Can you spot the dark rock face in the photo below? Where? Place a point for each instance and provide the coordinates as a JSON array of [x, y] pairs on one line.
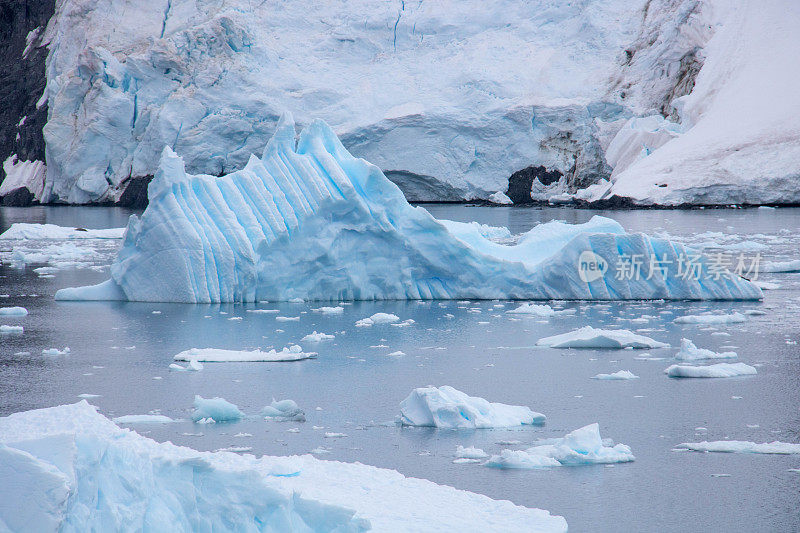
[[22, 79], [520, 182], [21, 197], [135, 193]]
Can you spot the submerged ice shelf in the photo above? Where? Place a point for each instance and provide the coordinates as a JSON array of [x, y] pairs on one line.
[[69, 468], [310, 221]]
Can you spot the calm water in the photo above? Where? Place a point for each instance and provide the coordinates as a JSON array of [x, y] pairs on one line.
[[118, 349]]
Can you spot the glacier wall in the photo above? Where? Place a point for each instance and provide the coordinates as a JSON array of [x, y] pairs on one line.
[[69, 468], [309, 220], [460, 93]]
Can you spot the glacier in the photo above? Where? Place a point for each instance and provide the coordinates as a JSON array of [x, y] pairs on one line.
[[310, 221], [69, 468]]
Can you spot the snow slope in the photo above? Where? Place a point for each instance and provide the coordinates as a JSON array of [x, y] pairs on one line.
[[308, 220], [741, 140], [68, 468]]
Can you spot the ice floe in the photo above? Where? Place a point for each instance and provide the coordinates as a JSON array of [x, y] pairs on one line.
[[58, 463], [216, 355], [470, 453], [719, 370], [317, 337], [781, 266], [13, 311], [690, 352], [27, 231], [55, 351], [142, 419], [589, 337], [377, 318], [8, 330], [619, 375], [580, 447], [733, 318], [284, 410], [215, 409], [739, 446], [447, 408]]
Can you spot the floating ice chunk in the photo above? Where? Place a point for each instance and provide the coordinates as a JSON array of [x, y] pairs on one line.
[[622, 374], [143, 419], [7, 330], [733, 318], [534, 310], [216, 355], [287, 318], [216, 409], [338, 310], [739, 446], [781, 266], [234, 489], [690, 352], [13, 311], [398, 353], [317, 337], [765, 285], [580, 447], [719, 370], [284, 410], [377, 318], [589, 337], [334, 435], [55, 351], [194, 365], [308, 220], [470, 453], [263, 311], [27, 231], [448, 408], [500, 198]]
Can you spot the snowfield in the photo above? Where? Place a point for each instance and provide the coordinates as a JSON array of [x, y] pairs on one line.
[[68, 468], [308, 221]]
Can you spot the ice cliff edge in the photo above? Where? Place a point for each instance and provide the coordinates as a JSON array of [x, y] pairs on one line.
[[308, 220]]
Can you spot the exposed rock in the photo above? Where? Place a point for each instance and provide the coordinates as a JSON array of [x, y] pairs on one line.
[[521, 181]]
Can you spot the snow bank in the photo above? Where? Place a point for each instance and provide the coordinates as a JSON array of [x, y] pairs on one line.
[[739, 446], [309, 221], [589, 337], [13, 311], [733, 318], [69, 468], [284, 410], [215, 409], [719, 370], [448, 408], [216, 355], [580, 447], [690, 352], [27, 231], [621, 374]]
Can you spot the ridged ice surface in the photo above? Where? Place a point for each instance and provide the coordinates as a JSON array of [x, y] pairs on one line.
[[308, 220]]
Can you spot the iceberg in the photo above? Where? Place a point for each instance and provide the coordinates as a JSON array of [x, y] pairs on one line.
[[470, 453], [719, 370], [284, 410], [448, 408], [580, 447], [216, 355], [690, 352], [739, 446], [309, 221], [589, 337], [215, 409], [69, 468], [317, 337]]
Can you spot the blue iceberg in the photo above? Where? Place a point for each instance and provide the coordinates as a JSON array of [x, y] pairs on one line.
[[308, 220]]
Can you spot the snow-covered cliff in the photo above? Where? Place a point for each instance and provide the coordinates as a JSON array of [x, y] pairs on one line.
[[449, 98]]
